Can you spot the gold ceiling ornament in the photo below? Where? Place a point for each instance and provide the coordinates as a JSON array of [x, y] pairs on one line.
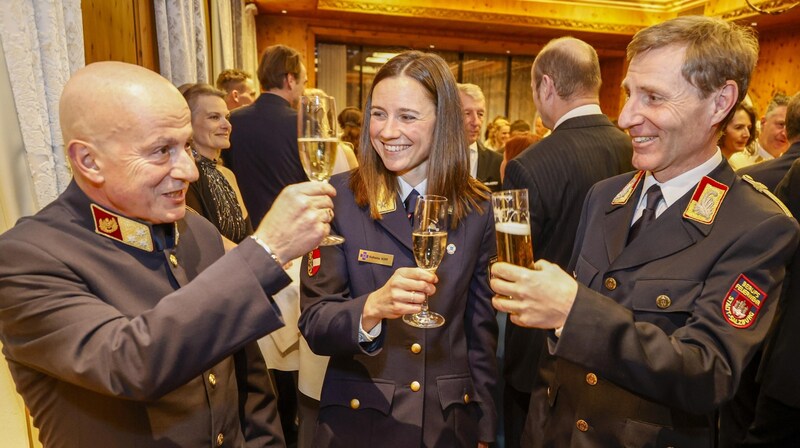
[[770, 8], [475, 16]]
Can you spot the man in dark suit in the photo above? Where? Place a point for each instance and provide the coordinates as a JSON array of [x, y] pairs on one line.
[[674, 288], [765, 400], [119, 310], [484, 163], [584, 148], [771, 172], [263, 150]]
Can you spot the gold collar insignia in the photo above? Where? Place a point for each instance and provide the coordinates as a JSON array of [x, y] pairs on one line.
[[706, 200], [623, 196], [387, 202], [125, 230]]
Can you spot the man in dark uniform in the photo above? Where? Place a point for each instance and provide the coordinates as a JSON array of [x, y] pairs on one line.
[[771, 419], [118, 311], [484, 163], [263, 152], [675, 287], [584, 148]]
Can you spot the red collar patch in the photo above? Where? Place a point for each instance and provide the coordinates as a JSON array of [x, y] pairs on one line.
[[314, 262], [706, 200], [622, 197], [742, 303]]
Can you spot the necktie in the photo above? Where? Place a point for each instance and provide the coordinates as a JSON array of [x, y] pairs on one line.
[[410, 203], [654, 196]]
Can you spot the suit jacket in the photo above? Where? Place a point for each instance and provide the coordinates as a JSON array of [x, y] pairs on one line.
[[264, 152], [780, 359], [116, 345], [662, 328], [770, 172], [558, 172], [366, 399], [489, 167]]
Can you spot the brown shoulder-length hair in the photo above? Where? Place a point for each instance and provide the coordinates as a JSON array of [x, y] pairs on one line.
[[448, 161]]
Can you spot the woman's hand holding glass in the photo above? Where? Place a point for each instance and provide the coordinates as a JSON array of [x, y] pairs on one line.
[[403, 294]]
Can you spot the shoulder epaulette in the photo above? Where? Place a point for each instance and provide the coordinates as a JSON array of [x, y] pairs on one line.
[[761, 188]]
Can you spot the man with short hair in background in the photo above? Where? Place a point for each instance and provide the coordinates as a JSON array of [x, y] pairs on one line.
[[238, 87], [263, 152], [484, 164], [584, 148], [775, 134]]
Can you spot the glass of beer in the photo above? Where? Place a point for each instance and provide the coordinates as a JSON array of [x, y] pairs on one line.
[[429, 239], [513, 227], [317, 140]]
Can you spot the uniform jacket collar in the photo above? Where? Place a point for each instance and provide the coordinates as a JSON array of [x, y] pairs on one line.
[[683, 232]]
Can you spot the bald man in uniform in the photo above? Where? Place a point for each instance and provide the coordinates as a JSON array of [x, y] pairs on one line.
[[119, 310]]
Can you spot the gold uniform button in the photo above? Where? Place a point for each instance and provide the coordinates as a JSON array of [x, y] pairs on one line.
[[212, 380], [591, 379], [416, 348], [611, 283], [415, 386], [663, 301], [466, 398], [220, 439], [173, 260], [355, 404], [582, 425]]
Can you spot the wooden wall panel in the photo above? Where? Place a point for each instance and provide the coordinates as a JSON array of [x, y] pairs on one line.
[[120, 30], [611, 98], [777, 69]]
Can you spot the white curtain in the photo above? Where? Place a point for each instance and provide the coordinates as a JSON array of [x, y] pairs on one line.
[[332, 74], [249, 61], [233, 37], [42, 46], [181, 34], [223, 52]]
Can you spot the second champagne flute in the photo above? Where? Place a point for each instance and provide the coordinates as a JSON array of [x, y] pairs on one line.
[[317, 141], [429, 241]]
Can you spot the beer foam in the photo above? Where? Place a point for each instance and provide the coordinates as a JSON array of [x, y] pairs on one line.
[[513, 228]]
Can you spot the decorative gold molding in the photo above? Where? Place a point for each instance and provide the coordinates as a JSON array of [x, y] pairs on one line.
[[746, 12], [353, 6]]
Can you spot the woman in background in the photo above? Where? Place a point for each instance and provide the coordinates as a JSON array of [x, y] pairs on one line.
[[737, 141], [350, 123], [514, 147], [215, 195], [501, 131], [389, 384]]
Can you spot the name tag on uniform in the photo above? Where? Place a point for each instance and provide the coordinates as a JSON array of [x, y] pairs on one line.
[[368, 256]]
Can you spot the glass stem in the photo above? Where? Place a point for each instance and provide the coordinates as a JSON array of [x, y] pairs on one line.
[[424, 310]]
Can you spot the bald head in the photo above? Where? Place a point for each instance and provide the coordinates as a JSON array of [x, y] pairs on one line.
[[105, 98], [127, 133], [573, 66]]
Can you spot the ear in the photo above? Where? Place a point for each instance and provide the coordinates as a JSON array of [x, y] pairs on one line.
[[725, 100], [290, 81], [83, 159], [235, 95], [548, 87]]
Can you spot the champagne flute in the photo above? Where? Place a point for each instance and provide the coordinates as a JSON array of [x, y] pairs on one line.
[[317, 141], [429, 240]]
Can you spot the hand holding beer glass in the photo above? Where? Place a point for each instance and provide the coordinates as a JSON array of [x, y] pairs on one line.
[[513, 227]]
